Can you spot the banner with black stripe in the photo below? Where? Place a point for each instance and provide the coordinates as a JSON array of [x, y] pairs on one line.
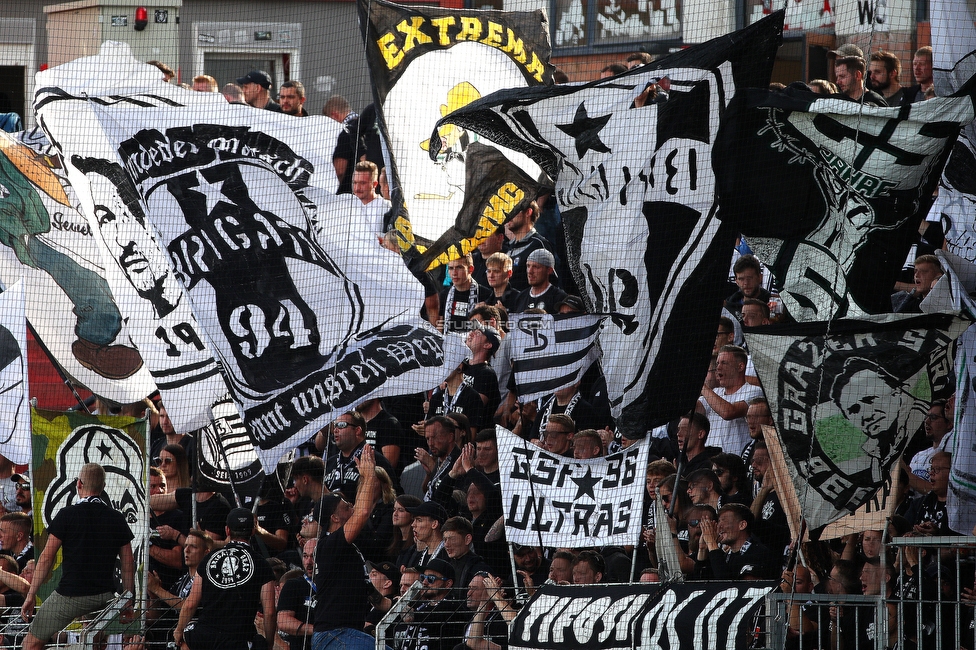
[[639, 616], [550, 500], [550, 352], [644, 239]]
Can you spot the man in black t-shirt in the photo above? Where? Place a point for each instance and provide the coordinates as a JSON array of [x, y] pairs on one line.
[[349, 436], [90, 535], [387, 436], [296, 603], [234, 583], [341, 580]]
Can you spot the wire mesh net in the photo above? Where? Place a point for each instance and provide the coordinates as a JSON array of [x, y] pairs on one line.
[[618, 292]]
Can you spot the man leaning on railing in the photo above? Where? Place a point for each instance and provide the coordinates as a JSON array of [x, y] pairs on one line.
[[91, 535]]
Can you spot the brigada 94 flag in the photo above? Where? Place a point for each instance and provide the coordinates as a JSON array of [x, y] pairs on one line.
[[846, 398], [426, 62], [550, 500], [305, 312]]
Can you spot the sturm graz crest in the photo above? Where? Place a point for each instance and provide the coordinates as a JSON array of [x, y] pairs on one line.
[[229, 567]]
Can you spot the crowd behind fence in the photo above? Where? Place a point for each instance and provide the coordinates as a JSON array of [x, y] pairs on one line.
[[926, 602]]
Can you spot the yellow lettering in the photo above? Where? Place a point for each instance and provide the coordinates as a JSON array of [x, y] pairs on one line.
[[388, 48], [494, 37], [412, 34], [535, 68], [470, 29], [442, 24], [515, 47]]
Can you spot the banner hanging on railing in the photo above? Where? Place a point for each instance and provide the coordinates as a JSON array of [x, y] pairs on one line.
[[642, 615]]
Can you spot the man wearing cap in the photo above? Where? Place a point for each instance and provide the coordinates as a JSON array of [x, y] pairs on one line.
[[23, 498], [385, 578], [91, 536], [341, 582], [234, 583], [428, 517], [255, 85], [459, 300], [437, 621], [296, 603], [540, 294], [521, 240], [483, 341]]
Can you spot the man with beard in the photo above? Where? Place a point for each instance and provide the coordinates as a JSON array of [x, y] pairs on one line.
[[349, 437], [849, 73], [436, 622], [521, 240], [440, 433], [884, 68], [292, 98]]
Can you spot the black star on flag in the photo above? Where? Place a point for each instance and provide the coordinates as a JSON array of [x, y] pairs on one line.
[[586, 131], [105, 449], [584, 484]]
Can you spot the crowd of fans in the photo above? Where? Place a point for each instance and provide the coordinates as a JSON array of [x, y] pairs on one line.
[[407, 488]]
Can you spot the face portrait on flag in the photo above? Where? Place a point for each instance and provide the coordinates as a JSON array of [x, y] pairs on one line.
[[869, 397], [126, 234]]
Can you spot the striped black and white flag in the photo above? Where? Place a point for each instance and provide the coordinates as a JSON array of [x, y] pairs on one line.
[[552, 352], [636, 193]]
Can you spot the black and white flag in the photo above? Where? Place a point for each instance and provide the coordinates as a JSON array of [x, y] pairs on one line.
[[639, 616], [856, 181], [289, 288], [637, 197], [226, 461], [847, 396], [550, 352], [495, 190], [426, 62], [549, 500], [953, 63]]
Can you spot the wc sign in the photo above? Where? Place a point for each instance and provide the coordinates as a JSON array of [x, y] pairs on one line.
[[870, 16]]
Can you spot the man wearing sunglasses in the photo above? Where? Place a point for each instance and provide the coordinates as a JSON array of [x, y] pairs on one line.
[[438, 621], [349, 437]]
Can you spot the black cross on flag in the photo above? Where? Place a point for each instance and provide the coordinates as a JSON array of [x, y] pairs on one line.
[[855, 181], [636, 193]]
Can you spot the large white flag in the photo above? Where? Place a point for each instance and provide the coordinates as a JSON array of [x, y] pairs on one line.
[[550, 500], [14, 397], [306, 313]]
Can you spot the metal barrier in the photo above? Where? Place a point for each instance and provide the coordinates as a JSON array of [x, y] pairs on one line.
[[808, 622]]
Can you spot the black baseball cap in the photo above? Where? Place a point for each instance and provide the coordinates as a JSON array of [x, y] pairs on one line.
[[259, 77], [430, 509], [388, 569], [240, 520], [442, 567]]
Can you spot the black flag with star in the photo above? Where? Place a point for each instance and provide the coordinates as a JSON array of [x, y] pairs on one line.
[[636, 193]]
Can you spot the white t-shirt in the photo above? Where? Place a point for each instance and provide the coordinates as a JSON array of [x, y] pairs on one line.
[[731, 435], [374, 211]]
